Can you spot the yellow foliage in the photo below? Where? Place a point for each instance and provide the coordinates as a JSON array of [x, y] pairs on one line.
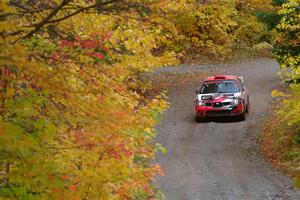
[[74, 104]]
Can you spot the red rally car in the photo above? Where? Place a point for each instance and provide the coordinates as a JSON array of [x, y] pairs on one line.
[[222, 95]]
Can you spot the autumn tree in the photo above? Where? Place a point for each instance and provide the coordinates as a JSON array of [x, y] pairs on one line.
[[75, 118], [74, 121], [216, 29], [287, 53]]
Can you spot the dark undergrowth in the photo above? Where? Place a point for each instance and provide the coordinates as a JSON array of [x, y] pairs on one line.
[[280, 142]]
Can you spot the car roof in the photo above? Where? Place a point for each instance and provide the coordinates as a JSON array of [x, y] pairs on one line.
[[221, 77]]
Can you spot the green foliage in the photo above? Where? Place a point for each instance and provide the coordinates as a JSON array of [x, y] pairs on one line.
[[278, 2], [250, 32], [75, 122], [287, 53], [270, 19], [290, 111], [287, 41], [217, 28], [75, 118]]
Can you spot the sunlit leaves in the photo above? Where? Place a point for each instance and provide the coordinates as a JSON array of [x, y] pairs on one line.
[[216, 29], [287, 40], [287, 53], [74, 116]]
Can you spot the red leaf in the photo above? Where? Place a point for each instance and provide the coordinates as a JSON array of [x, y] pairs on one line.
[[5, 72], [50, 177], [158, 169], [105, 49], [113, 153], [66, 43], [76, 37], [82, 140], [54, 57], [55, 190], [65, 177], [97, 55], [89, 44], [107, 36], [73, 188]]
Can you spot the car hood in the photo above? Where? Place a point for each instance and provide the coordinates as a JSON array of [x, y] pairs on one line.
[[218, 97]]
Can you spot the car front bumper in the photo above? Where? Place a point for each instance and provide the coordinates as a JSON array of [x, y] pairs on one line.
[[208, 111]]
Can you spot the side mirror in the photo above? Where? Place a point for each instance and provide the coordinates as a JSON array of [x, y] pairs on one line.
[[242, 79]]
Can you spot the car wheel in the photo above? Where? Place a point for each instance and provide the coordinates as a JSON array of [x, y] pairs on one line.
[[242, 117], [199, 119], [247, 109]]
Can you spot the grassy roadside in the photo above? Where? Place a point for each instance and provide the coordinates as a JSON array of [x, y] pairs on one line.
[[280, 138], [278, 141]]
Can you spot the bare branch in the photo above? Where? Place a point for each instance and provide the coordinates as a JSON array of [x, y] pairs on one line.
[[72, 147], [29, 9], [45, 20], [83, 9]]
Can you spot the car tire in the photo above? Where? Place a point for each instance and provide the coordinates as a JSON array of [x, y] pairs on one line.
[[247, 109], [242, 117], [199, 119]]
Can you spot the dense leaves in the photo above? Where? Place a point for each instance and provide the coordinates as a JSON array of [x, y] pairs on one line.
[[216, 29], [287, 53], [287, 41], [75, 118], [74, 121], [271, 19]]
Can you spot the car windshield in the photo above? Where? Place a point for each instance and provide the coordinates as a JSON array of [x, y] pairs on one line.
[[229, 86]]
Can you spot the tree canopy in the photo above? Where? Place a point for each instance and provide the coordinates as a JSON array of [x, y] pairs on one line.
[[75, 118]]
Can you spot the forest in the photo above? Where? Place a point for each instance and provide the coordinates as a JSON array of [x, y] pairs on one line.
[[76, 118]]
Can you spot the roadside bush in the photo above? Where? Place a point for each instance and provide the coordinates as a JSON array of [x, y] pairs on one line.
[[286, 133], [278, 2], [208, 31], [216, 29], [74, 119], [270, 19], [250, 32], [281, 131]]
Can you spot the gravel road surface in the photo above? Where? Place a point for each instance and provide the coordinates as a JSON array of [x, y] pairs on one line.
[[219, 160]]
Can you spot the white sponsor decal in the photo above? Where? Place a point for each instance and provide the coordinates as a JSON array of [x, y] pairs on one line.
[[224, 108]]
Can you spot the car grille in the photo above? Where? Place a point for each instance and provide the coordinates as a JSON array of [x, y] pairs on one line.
[[220, 104], [217, 105], [217, 112]]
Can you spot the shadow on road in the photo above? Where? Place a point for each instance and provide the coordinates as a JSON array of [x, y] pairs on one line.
[[222, 120]]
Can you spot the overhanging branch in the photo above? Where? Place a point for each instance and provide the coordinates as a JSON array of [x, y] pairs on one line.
[[46, 19]]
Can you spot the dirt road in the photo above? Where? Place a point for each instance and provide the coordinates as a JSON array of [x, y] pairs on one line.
[[219, 160]]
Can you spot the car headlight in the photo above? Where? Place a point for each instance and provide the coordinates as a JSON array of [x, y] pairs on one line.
[[235, 102], [200, 103]]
